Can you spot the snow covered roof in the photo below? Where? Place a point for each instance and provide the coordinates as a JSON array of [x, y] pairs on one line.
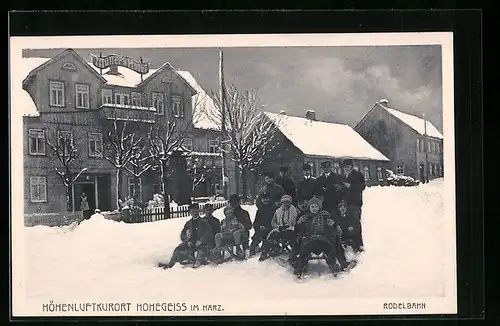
[[416, 123], [203, 104], [318, 138]]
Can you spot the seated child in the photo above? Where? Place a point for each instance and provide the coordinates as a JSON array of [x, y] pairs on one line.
[[351, 226], [282, 224], [196, 237], [318, 229], [231, 233], [262, 222]]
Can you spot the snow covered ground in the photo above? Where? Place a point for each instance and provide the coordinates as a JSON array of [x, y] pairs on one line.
[[107, 260]]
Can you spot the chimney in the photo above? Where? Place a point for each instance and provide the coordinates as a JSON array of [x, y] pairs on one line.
[[311, 115], [384, 102]]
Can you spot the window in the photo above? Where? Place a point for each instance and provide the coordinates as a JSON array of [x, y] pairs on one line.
[[177, 107], [421, 146], [38, 189], [400, 169], [107, 96], [428, 146], [95, 145], [65, 142], [336, 168], [380, 175], [136, 99], [158, 103], [188, 144], [132, 188], [36, 141], [366, 172], [82, 96], [56, 93], [122, 99], [213, 146]]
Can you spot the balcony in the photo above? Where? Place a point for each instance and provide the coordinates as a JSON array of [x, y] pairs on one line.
[[130, 113]]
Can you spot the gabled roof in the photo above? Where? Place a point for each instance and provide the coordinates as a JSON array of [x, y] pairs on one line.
[[59, 56], [318, 138], [157, 71], [416, 123]]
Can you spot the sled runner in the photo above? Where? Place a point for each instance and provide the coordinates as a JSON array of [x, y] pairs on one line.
[[278, 249], [225, 254]]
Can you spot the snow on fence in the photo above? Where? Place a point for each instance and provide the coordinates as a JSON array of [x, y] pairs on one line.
[[158, 213], [53, 219]]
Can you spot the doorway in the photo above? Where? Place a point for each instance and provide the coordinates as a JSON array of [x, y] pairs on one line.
[[422, 173], [89, 189]]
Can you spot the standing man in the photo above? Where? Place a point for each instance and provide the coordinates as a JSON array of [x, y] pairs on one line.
[[270, 187], [354, 183], [329, 187], [305, 186], [287, 184]]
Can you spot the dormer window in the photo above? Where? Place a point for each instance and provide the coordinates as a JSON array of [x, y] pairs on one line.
[[69, 66]]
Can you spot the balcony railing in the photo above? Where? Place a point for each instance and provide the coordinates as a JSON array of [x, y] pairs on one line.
[[131, 113]]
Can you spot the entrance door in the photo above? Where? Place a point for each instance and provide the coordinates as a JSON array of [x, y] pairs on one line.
[[104, 192], [89, 190], [422, 173]]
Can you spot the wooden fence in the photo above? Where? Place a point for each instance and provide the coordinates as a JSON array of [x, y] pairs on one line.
[[53, 219], [158, 213]]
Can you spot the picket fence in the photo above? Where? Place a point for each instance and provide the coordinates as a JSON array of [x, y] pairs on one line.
[[53, 219], [158, 213], [135, 216]]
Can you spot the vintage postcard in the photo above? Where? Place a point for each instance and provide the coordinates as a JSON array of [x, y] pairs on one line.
[[216, 175]]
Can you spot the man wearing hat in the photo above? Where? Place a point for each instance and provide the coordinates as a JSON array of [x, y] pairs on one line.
[[329, 187], [274, 190], [354, 185], [305, 186], [288, 186]]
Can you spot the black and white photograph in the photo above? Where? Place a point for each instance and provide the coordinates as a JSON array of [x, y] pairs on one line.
[[233, 175]]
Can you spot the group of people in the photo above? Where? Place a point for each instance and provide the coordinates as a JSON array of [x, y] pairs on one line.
[[315, 215]]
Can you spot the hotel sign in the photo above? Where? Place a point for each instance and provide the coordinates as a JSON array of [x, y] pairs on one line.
[[122, 61]]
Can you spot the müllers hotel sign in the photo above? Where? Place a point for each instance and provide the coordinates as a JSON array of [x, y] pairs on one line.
[[120, 60]]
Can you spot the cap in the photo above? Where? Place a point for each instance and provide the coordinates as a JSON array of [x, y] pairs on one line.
[[194, 206], [306, 167], [228, 209], [208, 206], [286, 199], [326, 164], [315, 200], [269, 174], [234, 198], [347, 161]]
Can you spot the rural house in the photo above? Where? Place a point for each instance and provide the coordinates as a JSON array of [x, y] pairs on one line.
[[414, 146]]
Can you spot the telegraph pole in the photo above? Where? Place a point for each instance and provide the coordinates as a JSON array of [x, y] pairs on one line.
[[223, 121], [426, 166]]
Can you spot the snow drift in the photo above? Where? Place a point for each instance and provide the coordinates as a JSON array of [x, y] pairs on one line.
[[106, 260]]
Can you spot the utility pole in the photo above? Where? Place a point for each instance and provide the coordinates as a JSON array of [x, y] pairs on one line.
[[223, 121], [426, 144]]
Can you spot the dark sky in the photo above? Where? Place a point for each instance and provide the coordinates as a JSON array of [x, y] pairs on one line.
[[340, 83]]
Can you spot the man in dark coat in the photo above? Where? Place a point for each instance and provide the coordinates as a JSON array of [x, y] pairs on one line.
[[197, 238], [214, 221], [243, 217], [262, 223], [305, 186], [288, 186], [354, 185], [329, 187], [274, 190]]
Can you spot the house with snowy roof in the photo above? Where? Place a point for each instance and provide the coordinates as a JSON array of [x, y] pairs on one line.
[[73, 96], [414, 145], [308, 140]]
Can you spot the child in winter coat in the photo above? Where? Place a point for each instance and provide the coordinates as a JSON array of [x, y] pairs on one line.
[[317, 230], [282, 224], [231, 232], [351, 226], [262, 222], [196, 237]]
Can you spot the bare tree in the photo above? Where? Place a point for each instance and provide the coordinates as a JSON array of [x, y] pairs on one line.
[[249, 134], [63, 147], [123, 139], [166, 137], [139, 163]]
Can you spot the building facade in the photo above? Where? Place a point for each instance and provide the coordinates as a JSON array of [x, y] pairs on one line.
[[414, 146], [77, 102]]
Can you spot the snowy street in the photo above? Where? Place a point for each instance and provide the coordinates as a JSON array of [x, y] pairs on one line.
[[106, 260]]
